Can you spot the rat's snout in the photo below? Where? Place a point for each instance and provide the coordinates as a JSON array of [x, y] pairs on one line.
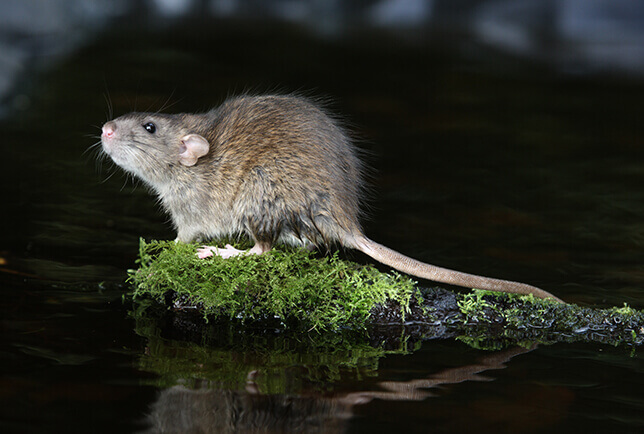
[[109, 130]]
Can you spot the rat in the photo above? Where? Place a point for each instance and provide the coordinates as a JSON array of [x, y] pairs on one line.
[[277, 168]]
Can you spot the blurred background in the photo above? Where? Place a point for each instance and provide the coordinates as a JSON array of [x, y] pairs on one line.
[[571, 36]]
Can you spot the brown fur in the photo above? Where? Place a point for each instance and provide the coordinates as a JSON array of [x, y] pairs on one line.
[[278, 169]]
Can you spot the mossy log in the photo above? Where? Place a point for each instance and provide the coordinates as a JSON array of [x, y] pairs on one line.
[[298, 290]]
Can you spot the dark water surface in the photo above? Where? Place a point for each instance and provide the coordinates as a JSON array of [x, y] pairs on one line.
[[490, 166]]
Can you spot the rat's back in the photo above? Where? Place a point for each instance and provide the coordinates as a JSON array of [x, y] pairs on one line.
[[296, 175]]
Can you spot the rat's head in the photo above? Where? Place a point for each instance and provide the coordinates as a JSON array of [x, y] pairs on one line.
[[154, 146]]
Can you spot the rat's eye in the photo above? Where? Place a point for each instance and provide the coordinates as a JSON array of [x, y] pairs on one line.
[[150, 127]]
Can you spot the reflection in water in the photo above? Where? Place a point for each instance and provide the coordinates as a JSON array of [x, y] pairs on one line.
[[221, 378], [208, 409], [223, 411]]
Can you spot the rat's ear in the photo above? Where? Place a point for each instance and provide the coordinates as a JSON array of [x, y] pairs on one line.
[[193, 146]]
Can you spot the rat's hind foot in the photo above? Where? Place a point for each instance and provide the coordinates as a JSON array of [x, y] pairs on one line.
[[229, 251]]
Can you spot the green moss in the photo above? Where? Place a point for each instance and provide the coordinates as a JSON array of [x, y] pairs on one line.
[[292, 286], [298, 290], [490, 318], [473, 303]]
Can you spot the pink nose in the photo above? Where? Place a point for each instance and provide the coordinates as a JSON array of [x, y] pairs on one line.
[[109, 129]]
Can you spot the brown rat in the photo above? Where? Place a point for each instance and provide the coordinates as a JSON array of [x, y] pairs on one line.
[[276, 168]]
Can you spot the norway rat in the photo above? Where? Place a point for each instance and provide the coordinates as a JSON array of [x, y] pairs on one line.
[[276, 168]]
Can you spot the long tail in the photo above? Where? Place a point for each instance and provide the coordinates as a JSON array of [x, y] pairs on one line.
[[416, 268]]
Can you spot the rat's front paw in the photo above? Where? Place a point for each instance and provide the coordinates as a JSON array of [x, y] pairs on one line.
[[226, 252], [205, 252]]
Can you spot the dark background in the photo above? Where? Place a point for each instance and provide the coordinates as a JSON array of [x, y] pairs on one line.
[[505, 136]]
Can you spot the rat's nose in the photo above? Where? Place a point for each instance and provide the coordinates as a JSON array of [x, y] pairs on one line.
[[109, 129]]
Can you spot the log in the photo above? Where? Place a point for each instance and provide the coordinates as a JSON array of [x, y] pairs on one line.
[[298, 290]]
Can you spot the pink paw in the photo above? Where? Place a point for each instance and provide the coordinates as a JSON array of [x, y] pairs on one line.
[[225, 252], [205, 252]]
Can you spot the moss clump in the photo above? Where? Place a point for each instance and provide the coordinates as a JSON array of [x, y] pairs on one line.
[[293, 286], [298, 290], [525, 321]]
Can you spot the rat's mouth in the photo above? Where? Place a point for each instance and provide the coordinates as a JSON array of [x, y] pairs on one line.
[[108, 146]]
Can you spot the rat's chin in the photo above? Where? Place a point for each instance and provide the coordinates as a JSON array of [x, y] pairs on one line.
[[108, 147], [116, 156]]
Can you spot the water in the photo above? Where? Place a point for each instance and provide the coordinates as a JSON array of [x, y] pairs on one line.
[[490, 166]]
